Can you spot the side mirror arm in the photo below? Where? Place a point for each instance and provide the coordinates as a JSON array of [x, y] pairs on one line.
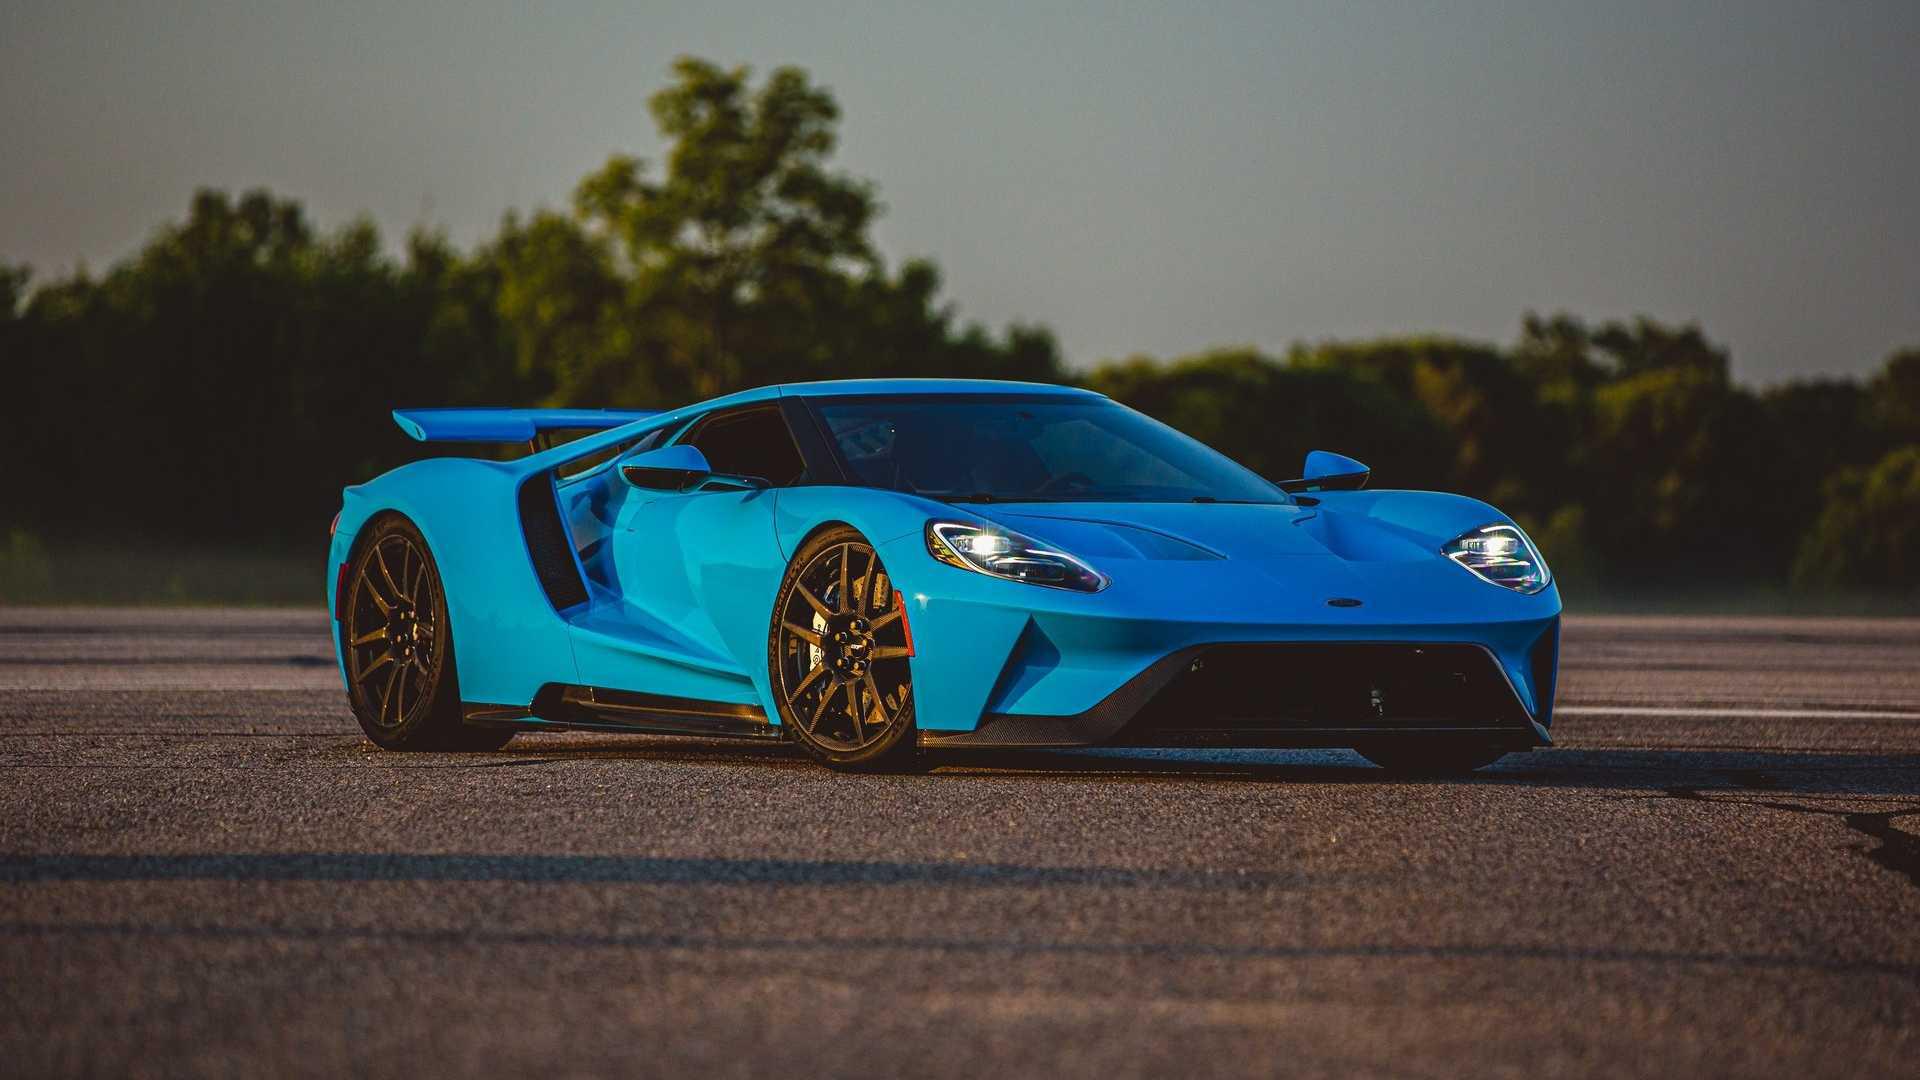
[[731, 482], [1344, 482]]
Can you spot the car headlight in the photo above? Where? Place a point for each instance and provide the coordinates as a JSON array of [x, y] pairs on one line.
[[1500, 554], [1003, 553]]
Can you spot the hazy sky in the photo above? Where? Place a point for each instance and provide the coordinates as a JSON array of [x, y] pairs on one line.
[[1152, 178]]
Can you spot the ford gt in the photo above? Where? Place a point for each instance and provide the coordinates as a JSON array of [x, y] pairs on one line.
[[877, 569]]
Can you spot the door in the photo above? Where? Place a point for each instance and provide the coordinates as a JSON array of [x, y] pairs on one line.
[[696, 570]]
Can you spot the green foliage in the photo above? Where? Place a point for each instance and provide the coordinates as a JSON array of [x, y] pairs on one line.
[[25, 571], [1625, 447], [225, 382], [1895, 392], [1869, 532], [1268, 414], [219, 387]]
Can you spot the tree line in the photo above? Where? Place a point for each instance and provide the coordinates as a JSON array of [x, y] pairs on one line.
[[222, 383]]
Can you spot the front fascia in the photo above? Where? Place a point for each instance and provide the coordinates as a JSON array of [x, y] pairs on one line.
[[991, 646]]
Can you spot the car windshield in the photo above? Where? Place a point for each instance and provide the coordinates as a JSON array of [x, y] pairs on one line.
[[1038, 448]]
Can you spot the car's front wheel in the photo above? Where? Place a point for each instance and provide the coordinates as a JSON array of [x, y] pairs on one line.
[[398, 644], [837, 655]]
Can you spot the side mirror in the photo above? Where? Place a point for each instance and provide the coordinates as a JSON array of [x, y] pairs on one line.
[[1328, 471], [670, 468], [681, 467]]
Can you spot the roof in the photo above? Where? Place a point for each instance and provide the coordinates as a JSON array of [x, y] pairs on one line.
[[840, 387], [835, 388]]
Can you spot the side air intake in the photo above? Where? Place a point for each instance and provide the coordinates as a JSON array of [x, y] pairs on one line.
[[547, 543], [1542, 661]]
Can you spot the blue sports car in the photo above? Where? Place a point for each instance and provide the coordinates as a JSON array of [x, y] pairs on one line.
[[874, 569]]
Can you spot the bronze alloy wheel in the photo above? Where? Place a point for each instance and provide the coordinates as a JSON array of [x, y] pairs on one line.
[[838, 652], [399, 646]]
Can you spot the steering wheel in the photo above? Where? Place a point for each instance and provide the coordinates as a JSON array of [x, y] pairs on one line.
[[1078, 479]]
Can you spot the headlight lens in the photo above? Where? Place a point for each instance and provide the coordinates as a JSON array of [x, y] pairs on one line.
[[1501, 554], [1003, 553]]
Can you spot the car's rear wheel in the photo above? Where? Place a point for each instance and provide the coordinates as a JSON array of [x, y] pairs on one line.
[[1415, 756], [837, 655], [398, 644]]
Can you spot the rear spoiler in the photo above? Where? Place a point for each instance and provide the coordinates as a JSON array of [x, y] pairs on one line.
[[509, 425]]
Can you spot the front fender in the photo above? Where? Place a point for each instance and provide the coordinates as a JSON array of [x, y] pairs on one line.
[[971, 640]]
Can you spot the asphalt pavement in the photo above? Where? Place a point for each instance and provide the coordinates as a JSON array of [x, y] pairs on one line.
[[204, 869]]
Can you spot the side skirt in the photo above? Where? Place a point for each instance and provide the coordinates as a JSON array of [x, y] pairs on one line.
[[591, 708]]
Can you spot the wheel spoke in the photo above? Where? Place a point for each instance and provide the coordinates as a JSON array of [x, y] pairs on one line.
[[819, 711], [846, 555], [853, 710], [890, 652], [384, 658], [373, 591], [812, 676], [879, 702], [881, 622], [380, 558], [387, 694], [812, 600], [378, 633], [811, 637], [866, 584]]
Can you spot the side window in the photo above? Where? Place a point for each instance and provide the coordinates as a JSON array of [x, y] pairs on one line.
[[751, 443], [593, 461]]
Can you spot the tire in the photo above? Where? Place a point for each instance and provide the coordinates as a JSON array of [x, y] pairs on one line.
[[398, 644], [837, 657], [1415, 757]]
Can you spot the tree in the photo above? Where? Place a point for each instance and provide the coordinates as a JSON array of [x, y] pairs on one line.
[[748, 259], [1895, 393], [1267, 415], [225, 381], [1869, 532], [1486, 407]]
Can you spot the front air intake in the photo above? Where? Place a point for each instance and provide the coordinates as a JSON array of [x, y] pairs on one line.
[[547, 544], [1250, 694], [1543, 661]]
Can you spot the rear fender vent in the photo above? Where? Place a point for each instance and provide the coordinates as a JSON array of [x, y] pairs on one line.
[[547, 544]]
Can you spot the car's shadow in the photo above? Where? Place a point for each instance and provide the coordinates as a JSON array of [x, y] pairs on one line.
[[1602, 768]]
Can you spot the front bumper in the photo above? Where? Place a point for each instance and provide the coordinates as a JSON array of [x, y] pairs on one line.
[[1006, 664], [1294, 695]]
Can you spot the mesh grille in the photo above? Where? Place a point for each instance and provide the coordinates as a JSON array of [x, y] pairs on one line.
[[1316, 687], [547, 544]]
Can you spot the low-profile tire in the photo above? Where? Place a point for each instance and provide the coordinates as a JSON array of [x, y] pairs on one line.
[[837, 657], [398, 644], [1414, 756]]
